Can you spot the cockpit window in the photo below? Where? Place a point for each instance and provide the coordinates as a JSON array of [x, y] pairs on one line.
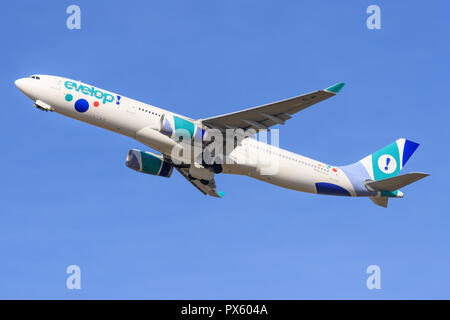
[[35, 77]]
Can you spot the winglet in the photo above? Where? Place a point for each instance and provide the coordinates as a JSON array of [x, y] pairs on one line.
[[221, 194], [336, 87]]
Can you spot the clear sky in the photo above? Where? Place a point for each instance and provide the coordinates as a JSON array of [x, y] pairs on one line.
[[68, 198]]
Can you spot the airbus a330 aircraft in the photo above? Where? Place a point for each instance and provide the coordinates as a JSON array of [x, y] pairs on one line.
[[375, 176]]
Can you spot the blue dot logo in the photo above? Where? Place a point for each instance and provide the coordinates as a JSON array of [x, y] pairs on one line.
[[81, 105]]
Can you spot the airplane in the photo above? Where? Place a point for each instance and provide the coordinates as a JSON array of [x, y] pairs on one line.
[[374, 176]]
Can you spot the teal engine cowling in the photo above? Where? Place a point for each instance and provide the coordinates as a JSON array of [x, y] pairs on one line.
[[174, 127], [150, 163]]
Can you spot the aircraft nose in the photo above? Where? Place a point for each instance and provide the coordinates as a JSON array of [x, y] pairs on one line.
[[24, 85], [20, 84]]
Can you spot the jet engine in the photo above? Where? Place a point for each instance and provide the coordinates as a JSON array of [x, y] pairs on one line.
[[174, 127], [150, 163]]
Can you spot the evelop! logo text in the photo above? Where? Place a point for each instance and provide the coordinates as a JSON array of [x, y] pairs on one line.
[[91, 91]]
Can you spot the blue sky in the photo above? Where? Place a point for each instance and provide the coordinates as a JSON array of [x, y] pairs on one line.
[[68, 198]]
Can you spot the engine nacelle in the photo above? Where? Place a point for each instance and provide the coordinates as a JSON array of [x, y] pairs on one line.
[[150, 163], [174, 127]]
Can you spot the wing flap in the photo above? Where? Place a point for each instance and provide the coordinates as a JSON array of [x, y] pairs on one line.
[[208, 189]]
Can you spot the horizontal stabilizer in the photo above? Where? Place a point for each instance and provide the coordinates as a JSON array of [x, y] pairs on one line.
[[395, 183], [380, 201]]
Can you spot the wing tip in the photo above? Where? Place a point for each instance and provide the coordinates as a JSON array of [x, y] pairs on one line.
[[335, 88]]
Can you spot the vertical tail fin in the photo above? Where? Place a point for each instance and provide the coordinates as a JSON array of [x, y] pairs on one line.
[[388, 161], [376, 175]]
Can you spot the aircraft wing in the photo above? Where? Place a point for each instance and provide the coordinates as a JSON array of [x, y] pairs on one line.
[[209, 189], [268, 115]]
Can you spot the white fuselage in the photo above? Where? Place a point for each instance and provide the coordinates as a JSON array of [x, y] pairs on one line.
[[135, 119]]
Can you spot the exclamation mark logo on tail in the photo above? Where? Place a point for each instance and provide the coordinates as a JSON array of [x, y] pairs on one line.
[[387, 163], [118, 100]]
